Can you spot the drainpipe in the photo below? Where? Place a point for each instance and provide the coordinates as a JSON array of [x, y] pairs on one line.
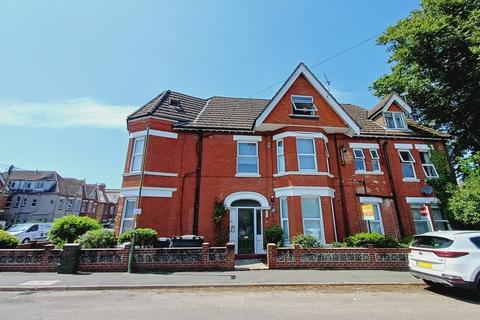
[[392, 187], [196, 207], [342, 187]]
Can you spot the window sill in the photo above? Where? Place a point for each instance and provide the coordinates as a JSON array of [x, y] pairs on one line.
[[247, 175], [302, 116], [410, 180], [303, 173], [369, 172]]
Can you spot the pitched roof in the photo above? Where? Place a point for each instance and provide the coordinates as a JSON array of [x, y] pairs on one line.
[[113, 195], [379, 106], [71, 186], [369, 127], [160, 106], [33, 175], [228, 113]]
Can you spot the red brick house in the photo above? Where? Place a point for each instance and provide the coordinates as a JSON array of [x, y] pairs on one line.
[[300, 160]]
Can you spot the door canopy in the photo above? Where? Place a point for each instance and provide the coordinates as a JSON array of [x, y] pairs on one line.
[[245, 195]]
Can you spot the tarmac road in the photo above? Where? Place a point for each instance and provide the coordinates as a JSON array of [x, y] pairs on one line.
[[348, 302]]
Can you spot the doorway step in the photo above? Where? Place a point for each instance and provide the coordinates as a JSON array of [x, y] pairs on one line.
[[250, 264], [258, 256]]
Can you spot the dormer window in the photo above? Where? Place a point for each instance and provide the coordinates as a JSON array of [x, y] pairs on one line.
[[303, 106], [394, 120]]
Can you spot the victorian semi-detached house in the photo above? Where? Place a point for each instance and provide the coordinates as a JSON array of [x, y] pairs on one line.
[[300, 160]]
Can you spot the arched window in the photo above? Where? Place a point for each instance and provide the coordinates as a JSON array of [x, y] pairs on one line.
[[245, 203]]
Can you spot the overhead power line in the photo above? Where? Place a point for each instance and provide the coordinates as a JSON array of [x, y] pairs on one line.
[[322, 62]]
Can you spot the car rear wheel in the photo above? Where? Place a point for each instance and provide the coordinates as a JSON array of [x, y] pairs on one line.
[[26, 240]]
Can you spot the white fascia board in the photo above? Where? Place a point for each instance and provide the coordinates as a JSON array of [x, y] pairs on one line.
[[402, 104], [403, 146], [422, 200], [304, 191], [423, 147], [302, 69], [247, 138], [148, 192], [359, 145], [157, 133], [299, 134], [370, 200]]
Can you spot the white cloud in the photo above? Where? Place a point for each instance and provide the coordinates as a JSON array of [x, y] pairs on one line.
[[60, 114], [342, 96]]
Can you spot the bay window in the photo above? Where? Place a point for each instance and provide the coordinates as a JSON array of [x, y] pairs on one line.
[[376, 224], [280, 157], [127, 218], [422, 223], [137, 154], [307, 160], [441, 223], [284, 219], [312, 218]]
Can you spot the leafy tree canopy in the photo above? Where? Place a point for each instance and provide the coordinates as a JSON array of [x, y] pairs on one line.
[[436, 61]]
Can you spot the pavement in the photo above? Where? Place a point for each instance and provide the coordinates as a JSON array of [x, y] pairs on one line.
[[22, 281], [358, 302]]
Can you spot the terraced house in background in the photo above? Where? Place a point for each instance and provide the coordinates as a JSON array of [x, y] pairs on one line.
[[300, 160]]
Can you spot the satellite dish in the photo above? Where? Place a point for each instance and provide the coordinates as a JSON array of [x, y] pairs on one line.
[[427, 190]]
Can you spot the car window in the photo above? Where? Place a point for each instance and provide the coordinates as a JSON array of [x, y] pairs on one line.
[[431, 242], [33, 228], [476, 241], [18, 228]]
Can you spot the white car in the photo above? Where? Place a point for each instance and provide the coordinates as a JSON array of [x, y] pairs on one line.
[[27, 232], [449, 258]]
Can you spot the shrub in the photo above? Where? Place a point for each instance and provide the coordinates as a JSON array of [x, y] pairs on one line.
[[97, 239], [144, 237], [274, 234], [376, 239], [407, 241], [7, 241], [307, 241], [68, 228]]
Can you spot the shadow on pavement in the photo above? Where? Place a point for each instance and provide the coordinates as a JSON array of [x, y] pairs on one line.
[[464, 295]]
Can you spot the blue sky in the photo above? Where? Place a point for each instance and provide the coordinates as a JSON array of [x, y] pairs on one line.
[[70, 71]]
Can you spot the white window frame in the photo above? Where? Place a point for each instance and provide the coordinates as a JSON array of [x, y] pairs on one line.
[[412, 163], [60, 204], [34, 202], [24, 202], [139, 154], [123, 212], [322, 227], [427, 164], [247, 174], [375, 159], [428, 219], [313, 111], [397, 118], [69, 204], [280, 156], [327, 155], [286, 236], [434, 222], [362, 158], [379, 209], [314, 154]]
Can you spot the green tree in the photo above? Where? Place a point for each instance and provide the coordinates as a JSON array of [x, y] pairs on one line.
[[68, 228], [464, 203], [436, 61]]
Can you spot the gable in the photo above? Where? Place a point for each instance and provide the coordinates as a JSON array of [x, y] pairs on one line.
[[283, 112], [394, 107], [301, 82]]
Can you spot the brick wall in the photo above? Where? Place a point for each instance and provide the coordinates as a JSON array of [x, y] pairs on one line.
[[116, 259], [337, 258]]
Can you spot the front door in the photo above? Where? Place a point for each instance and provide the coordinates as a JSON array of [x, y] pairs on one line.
[[246, 231]]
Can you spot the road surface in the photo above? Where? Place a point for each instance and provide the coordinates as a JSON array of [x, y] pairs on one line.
[[352, 302]]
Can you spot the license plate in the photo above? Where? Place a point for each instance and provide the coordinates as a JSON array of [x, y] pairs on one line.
[[423, 264]]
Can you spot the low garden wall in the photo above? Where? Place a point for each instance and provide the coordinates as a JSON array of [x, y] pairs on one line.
[[116, 259], [337, 258]]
